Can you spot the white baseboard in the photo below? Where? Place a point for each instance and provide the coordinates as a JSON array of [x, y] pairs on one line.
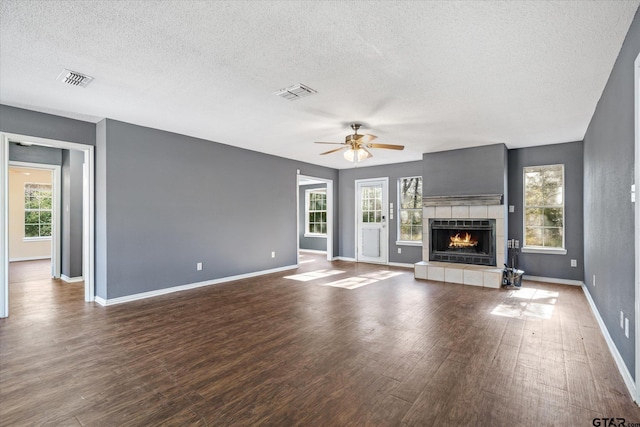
[[401, 264], [626, 376], [344, 258], [150, 294], [71, 279], [32, 258], [553, 280], [313, 251]]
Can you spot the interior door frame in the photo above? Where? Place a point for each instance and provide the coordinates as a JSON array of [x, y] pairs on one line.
[[636, 80], [88, 213], [384, 236], [56, 216], [330, 214]]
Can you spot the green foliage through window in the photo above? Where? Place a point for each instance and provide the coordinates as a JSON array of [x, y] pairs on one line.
[[37, 210], [544, 206], [410, 209]]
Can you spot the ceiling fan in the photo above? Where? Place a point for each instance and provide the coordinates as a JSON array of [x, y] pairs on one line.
[[358, 145]]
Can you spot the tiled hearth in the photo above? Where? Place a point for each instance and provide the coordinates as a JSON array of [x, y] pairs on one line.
[[461, 208]]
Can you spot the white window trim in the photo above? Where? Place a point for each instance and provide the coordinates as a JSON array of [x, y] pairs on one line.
[[543, 249], [36, 239], [307, 192], [399, 241]]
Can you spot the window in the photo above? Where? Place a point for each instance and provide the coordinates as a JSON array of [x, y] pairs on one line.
[[544, 207], [37, 210], [410, 209], [316, 212]]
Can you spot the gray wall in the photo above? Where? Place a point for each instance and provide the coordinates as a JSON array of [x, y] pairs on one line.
[[608, 211], [171, 201], [546, 265], [71, 202], [35, 154], [410, 254], [31, 123], [468, 171], [312, 243]]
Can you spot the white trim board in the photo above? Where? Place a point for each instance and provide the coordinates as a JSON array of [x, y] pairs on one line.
[[68, 279], [312, 251], [400, 264], [626, 376], [151, 294], [344, 258], [32, 258], [634, 195], [553, 280]]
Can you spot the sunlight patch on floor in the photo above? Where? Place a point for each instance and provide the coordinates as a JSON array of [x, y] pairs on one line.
[[312, 275], [381, 274], [528, 303], [351, 282]]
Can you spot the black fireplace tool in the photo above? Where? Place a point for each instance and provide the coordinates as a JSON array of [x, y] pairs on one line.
[[512, 275]]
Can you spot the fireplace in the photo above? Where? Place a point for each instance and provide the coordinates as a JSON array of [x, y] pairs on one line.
[[465, 241]]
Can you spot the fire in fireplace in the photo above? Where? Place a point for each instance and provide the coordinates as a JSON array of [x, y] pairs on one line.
[[467, 241]]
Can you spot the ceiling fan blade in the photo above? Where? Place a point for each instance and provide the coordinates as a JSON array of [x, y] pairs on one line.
[[366, 138], [322, 142], [388, 146], [366, 151], [333, 151]]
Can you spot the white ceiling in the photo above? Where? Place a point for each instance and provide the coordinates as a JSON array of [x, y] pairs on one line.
[[432, 76]]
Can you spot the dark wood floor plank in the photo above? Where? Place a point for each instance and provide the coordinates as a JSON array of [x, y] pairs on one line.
[[273, 350]]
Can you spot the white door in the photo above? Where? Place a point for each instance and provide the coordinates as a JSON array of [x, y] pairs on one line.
[[372, 233]]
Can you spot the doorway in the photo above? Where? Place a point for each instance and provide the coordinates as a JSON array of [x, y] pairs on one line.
[[314, 214], [34, 213], [372, 233], [88, 191]]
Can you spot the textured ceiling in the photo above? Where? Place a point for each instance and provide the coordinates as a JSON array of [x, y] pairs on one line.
[[432, 76]]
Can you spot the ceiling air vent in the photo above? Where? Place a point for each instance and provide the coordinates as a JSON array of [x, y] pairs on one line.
[[295, 92], [74, 78]]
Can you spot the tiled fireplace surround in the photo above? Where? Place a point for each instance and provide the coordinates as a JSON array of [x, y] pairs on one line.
[[463, 207]]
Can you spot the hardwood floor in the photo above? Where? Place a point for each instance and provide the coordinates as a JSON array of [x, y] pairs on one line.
[[276, 350]]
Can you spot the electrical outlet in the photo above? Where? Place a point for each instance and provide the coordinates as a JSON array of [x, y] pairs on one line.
[[199, 266], [512, 208], [273, 254], [574, 263], [594, 280], [399, 250], [621, 319], [626, 327]]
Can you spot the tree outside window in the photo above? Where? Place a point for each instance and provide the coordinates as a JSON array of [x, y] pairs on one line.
[[316, 212], [410, 209], [37, 210], [544, 206]]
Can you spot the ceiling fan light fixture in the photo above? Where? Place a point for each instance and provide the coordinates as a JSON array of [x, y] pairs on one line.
[[355, 155]]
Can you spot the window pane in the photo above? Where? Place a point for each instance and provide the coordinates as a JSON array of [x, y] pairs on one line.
[[323, 228], [553, 237], [31, 217], [45, 217], [553, 217], [533, 216], [31, 203], [31, 231], [45, 231], [533, 236], [552, 195], [417, 218], [45, 203]]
